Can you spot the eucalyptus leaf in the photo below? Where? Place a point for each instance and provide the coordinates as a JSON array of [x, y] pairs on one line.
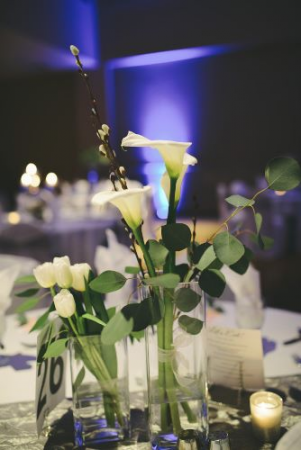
[[199, 251], [116, 329], [213, 282], [158, 253], [190, 324], [28, 304], [28, 293], [134, 270], [241, 266], [258, 222], [56, 348], [228, 248], [283, 174], [79, 379], [168, 280], [176, 236], [182, 270], [207, 258], [108, 281], [186, 299], [27, 279], [238, 200], [93, 319]]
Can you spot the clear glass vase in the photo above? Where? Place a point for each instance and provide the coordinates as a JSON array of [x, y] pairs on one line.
[[177, 369], [99, 375]]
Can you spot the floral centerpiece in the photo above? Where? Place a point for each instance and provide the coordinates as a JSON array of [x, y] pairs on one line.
[[172, 292]]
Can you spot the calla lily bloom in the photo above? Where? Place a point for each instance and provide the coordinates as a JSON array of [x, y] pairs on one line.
[[44, 274], [64, 303], [80, 273], [188, 160], [172, 152], [128, 202]]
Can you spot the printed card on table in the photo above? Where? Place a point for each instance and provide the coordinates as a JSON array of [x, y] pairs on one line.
[[235, 357]]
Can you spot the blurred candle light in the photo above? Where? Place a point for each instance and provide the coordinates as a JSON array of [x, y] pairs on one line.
[[31, 169], [51, 180], [280, 193], [266, 411], [25, 180], [35, 181], [13, 217]]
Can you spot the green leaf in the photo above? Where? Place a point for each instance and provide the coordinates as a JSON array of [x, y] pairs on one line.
[[168, 280], [228, 249], [27, 279], [146, 313], [79, 379], [56, 348], [207, 258], [137, 335], [283, 174], [158, 253], [94, 319], [176, 236], [28, 292], [213, 282], [42, 320], [132, 270], [108, 281], [190, 325], [28, 304], [239, 200], [182, 270], [186, 299], [241, 266], [258, 222], [199, 251], [116, 329], [268, 242]]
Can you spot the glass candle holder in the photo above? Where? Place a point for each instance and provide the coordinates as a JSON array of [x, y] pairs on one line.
[[266, 412]]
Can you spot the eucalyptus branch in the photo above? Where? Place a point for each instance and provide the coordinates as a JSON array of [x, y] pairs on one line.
[[237, 210], [102, 130]]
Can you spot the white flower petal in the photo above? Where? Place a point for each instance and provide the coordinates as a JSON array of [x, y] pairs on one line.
[[64, 303], [128, 202], [172, 152], [188, 160]]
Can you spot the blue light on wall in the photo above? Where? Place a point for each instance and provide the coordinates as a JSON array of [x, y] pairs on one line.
[[155, 95]]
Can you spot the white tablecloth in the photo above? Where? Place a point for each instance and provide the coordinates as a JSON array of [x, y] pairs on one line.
[[279, 326]]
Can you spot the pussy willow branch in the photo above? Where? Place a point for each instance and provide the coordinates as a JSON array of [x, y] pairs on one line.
[[115, 168], [116, 171]]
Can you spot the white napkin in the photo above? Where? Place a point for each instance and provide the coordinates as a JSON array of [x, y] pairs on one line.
[[291, 439], [247, 292], [8, 275], [115, 257]]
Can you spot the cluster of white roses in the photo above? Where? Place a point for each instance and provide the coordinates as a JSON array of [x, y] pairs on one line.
[[60, 272]]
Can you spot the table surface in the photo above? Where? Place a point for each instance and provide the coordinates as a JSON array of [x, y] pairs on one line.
[[17, 378]]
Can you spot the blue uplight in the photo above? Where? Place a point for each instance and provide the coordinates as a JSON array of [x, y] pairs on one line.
[[158, 95]]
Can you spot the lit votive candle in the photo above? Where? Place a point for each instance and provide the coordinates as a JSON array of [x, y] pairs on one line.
[[266, 411]]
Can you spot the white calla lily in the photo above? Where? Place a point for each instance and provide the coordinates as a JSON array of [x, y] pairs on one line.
[[80, 273], [64, 303], [44, 274], [188, 160], [172, 152], [128, 201]]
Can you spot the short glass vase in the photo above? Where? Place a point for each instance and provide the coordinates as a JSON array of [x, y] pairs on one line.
[[177, 370], [99, 376]]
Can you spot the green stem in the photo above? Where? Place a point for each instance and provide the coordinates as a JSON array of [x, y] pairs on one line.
[[172, 206], [234, 213], [148, 261]]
